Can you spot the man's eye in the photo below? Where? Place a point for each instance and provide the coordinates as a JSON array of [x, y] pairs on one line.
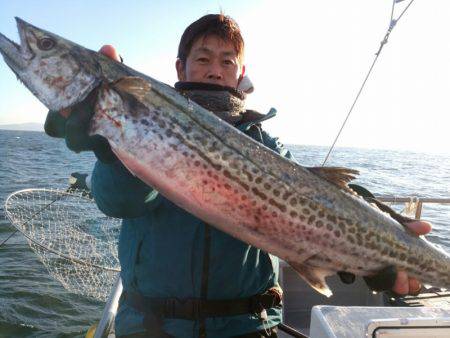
[[202, 60], [228, 62]]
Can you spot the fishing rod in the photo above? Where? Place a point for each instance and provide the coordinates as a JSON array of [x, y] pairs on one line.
[[392, 24]]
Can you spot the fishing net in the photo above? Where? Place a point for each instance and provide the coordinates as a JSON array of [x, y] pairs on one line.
[[73, 239]]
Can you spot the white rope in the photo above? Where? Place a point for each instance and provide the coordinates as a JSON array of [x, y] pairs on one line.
[[392, 24]]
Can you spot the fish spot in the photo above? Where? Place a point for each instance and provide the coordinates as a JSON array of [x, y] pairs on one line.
[[227, 186], [213, 147], [319, 224], [293, 202], [293, 214], [410, 260], [351, 239], [267, 186], [197, 163], [311, 219], [227, 174], [259, 194], [286, 195], [200, 139], [281, 207], [226, 155], [329, 227], [276, 193], [258, 180], [255, 171], [337, 233], [331, 218], [369, 235], [249, 176], [306, 211]]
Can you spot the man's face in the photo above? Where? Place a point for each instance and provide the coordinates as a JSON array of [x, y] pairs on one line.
[[211, 60]]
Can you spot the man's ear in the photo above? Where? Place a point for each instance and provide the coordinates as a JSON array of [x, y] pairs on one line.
[[181, 70]]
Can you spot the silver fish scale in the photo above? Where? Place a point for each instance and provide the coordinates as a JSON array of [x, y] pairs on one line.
[[277, 218], [268, 208]]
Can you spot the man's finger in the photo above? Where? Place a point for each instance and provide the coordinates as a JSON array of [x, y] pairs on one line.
[[401, 285], [110, 52], [419, 227], [414, 286]]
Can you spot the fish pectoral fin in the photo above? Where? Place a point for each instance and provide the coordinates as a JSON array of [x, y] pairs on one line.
[[132, 85], [315, 277], [337, 175]]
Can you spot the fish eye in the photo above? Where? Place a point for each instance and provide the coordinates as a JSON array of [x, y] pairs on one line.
[[46, 43]]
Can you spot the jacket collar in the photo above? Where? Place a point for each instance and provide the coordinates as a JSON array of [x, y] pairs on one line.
[[252, 117]]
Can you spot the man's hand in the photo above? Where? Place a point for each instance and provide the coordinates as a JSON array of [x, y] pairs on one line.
[[403, 284]]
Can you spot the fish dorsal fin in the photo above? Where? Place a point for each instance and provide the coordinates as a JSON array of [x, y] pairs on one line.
[[339, 176], [132, 85]]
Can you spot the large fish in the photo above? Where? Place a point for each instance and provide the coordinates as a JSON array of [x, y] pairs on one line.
[[307, 217]]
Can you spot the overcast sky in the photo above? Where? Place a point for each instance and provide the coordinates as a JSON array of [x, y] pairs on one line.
[[306, 58]]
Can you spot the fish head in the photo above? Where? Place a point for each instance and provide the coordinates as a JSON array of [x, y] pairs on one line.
[[57, 71]]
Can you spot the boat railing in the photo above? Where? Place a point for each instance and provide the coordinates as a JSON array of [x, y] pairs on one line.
[[413, 202]]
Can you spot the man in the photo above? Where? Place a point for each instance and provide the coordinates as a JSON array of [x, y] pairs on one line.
[[182, 277]]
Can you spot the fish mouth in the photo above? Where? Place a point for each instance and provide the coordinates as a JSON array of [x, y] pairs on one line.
[[17, 56]]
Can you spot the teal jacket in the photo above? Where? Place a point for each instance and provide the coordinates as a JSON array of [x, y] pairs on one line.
[[162, 250]]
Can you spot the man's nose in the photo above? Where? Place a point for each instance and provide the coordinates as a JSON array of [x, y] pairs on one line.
[[214, 72]]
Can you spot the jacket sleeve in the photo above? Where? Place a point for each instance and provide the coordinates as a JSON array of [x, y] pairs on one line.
[[120, 194], [274, 144]]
